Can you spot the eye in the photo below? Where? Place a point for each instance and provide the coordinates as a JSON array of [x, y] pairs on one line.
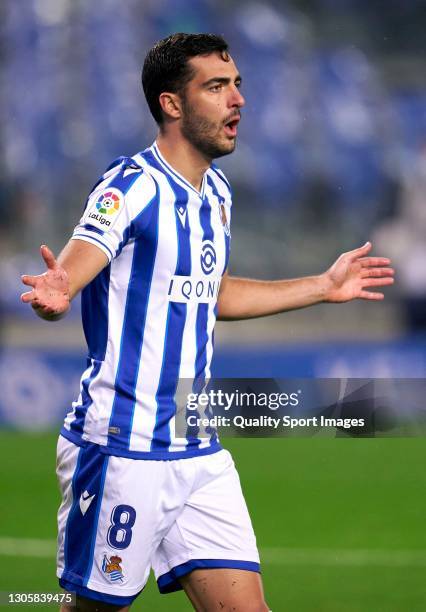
[[215, 88]]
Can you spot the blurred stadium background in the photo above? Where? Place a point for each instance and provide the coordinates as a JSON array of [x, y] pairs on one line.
[[331, 153]]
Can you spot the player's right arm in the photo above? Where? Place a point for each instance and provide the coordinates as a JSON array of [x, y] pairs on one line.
[[113, 214], [51, 292]]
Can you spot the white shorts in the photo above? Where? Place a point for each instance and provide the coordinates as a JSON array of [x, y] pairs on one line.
[[121, 516]]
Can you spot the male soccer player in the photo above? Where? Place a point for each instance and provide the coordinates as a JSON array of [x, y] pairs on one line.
[[150, 255]]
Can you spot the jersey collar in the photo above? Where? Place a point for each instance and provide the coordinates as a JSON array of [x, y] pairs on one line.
[[176, 174]]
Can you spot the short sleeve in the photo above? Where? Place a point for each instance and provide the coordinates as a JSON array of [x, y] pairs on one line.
[[120, 196]]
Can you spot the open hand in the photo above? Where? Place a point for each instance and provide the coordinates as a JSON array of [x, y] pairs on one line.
[[50, 295], [353, 273]]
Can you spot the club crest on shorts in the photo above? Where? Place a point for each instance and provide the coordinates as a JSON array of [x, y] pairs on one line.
[[222, 212], [112, 569], [104, 208]]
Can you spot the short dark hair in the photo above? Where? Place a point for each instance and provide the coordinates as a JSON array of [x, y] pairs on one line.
[[166, 65]]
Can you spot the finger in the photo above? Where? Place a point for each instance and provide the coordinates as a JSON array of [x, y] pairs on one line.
[[28, 296], [374, 261], [42, 307], [29, 280], [360, 251], [48, 257], [368, 272], [378, 282], [371, 295]]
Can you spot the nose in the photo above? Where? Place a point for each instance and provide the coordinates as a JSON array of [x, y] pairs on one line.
[[237, 99]]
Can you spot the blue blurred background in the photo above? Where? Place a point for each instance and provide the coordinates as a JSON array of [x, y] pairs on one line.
[[331, 153]]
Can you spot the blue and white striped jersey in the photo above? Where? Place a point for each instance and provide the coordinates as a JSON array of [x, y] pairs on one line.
[[148, 317]]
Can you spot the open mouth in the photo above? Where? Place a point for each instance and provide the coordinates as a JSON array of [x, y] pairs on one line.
[[231, 127]]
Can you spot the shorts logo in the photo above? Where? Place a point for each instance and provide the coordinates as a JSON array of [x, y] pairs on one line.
[[104, 208], [208, 257], [85, 501], [112, 569]]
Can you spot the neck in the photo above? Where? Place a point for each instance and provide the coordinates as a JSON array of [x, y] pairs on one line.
[[184, 158]]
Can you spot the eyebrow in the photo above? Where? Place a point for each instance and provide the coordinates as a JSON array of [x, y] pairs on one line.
[[223, 80]]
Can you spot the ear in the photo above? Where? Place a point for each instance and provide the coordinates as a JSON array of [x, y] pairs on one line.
[[171, 105]]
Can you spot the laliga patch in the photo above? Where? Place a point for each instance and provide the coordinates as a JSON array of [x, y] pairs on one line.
[[105, 208]]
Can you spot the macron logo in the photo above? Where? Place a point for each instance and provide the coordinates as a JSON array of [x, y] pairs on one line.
[[85, 501], [182, 215], [131, 171]]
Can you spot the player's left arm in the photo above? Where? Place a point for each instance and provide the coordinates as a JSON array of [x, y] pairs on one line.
[[350, 277]]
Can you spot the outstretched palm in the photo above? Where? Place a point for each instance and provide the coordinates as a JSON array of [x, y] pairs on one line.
[[354, 272], [49, 296]]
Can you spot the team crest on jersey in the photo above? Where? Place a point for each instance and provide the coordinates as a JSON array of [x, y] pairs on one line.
[[105, 208], [222, 212], [112, 568]]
